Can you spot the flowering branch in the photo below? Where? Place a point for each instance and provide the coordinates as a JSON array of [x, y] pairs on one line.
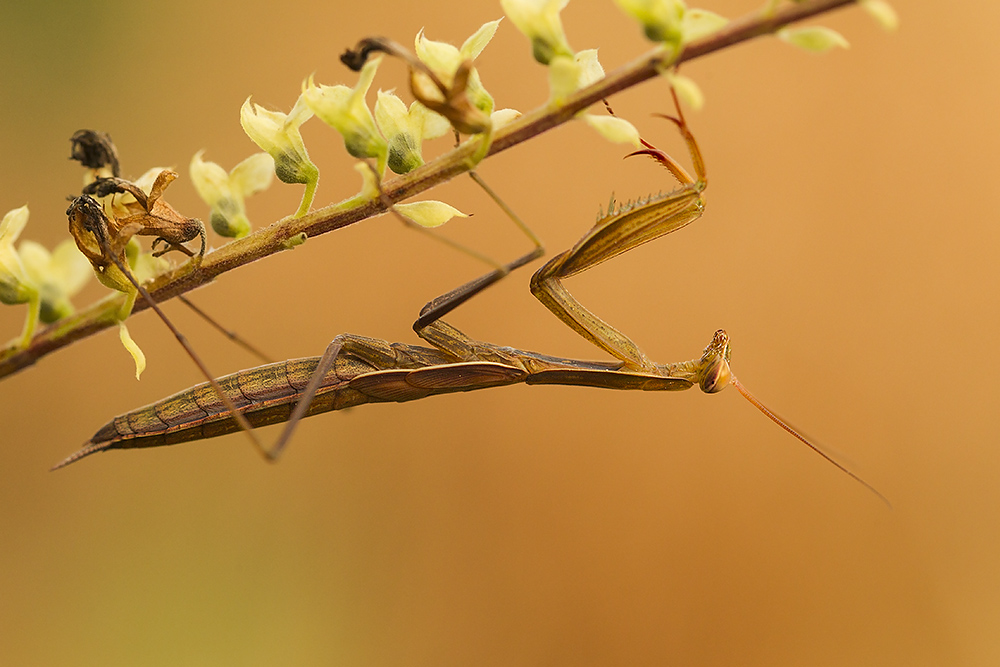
[[289, 231]]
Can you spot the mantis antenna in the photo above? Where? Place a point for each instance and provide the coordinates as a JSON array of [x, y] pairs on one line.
[[788, 427]]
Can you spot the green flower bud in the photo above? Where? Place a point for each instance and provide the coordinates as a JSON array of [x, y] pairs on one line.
[[661, 19], [539, 21]]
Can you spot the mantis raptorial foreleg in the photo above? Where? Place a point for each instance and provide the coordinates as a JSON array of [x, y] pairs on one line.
[[619, 231]]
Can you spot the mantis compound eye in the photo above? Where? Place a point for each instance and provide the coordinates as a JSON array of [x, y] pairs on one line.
[[716, 376]]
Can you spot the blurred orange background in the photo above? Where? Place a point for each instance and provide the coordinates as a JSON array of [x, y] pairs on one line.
[[849, 248]]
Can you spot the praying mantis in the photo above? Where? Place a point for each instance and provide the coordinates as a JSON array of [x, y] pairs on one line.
[[355, 370]]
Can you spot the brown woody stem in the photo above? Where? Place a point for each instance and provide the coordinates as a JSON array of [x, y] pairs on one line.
[[274, 238]]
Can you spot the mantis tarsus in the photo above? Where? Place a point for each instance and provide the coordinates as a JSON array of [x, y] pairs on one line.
[[356, 370]]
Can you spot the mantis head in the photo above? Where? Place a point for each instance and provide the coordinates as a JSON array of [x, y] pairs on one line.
[[714, 373]]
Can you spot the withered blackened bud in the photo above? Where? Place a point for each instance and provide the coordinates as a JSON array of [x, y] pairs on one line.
[[89, 215], [102, 187], [355, 58], [94, 150]]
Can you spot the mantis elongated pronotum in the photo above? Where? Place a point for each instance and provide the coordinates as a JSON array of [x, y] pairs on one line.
[[356, 370]]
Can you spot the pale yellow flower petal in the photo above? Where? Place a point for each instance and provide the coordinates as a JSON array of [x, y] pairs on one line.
[[15, 285], [434, 124], [209, 179], [391, 114], [133, 349], [58, 276], [253, 174], [369, 184], [441, 57], [614, 129], [501, 117], [13, 224], [815, 38], [687, 90], [564, 78], [882, 12], [429, 213], [345, 110], [36, 260], [698, 23], [476, 42], [69, 269], [591, 70]]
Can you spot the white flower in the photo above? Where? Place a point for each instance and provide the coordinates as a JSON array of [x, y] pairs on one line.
[[345, 110], [225, 193], [278, 134], [539, 21], [15, 286], [32, 275], [660, 19], [444, 60], [568, 75], [59, 275], [405, 130]]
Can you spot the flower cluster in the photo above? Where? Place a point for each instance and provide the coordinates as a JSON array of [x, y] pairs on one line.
[[30, 274], [569, 71], [448, 93]]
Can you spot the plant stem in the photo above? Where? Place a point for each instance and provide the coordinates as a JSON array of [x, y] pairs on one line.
[[272, 239]]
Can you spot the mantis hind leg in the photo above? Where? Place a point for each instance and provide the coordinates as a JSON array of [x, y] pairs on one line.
[[349, 356]]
